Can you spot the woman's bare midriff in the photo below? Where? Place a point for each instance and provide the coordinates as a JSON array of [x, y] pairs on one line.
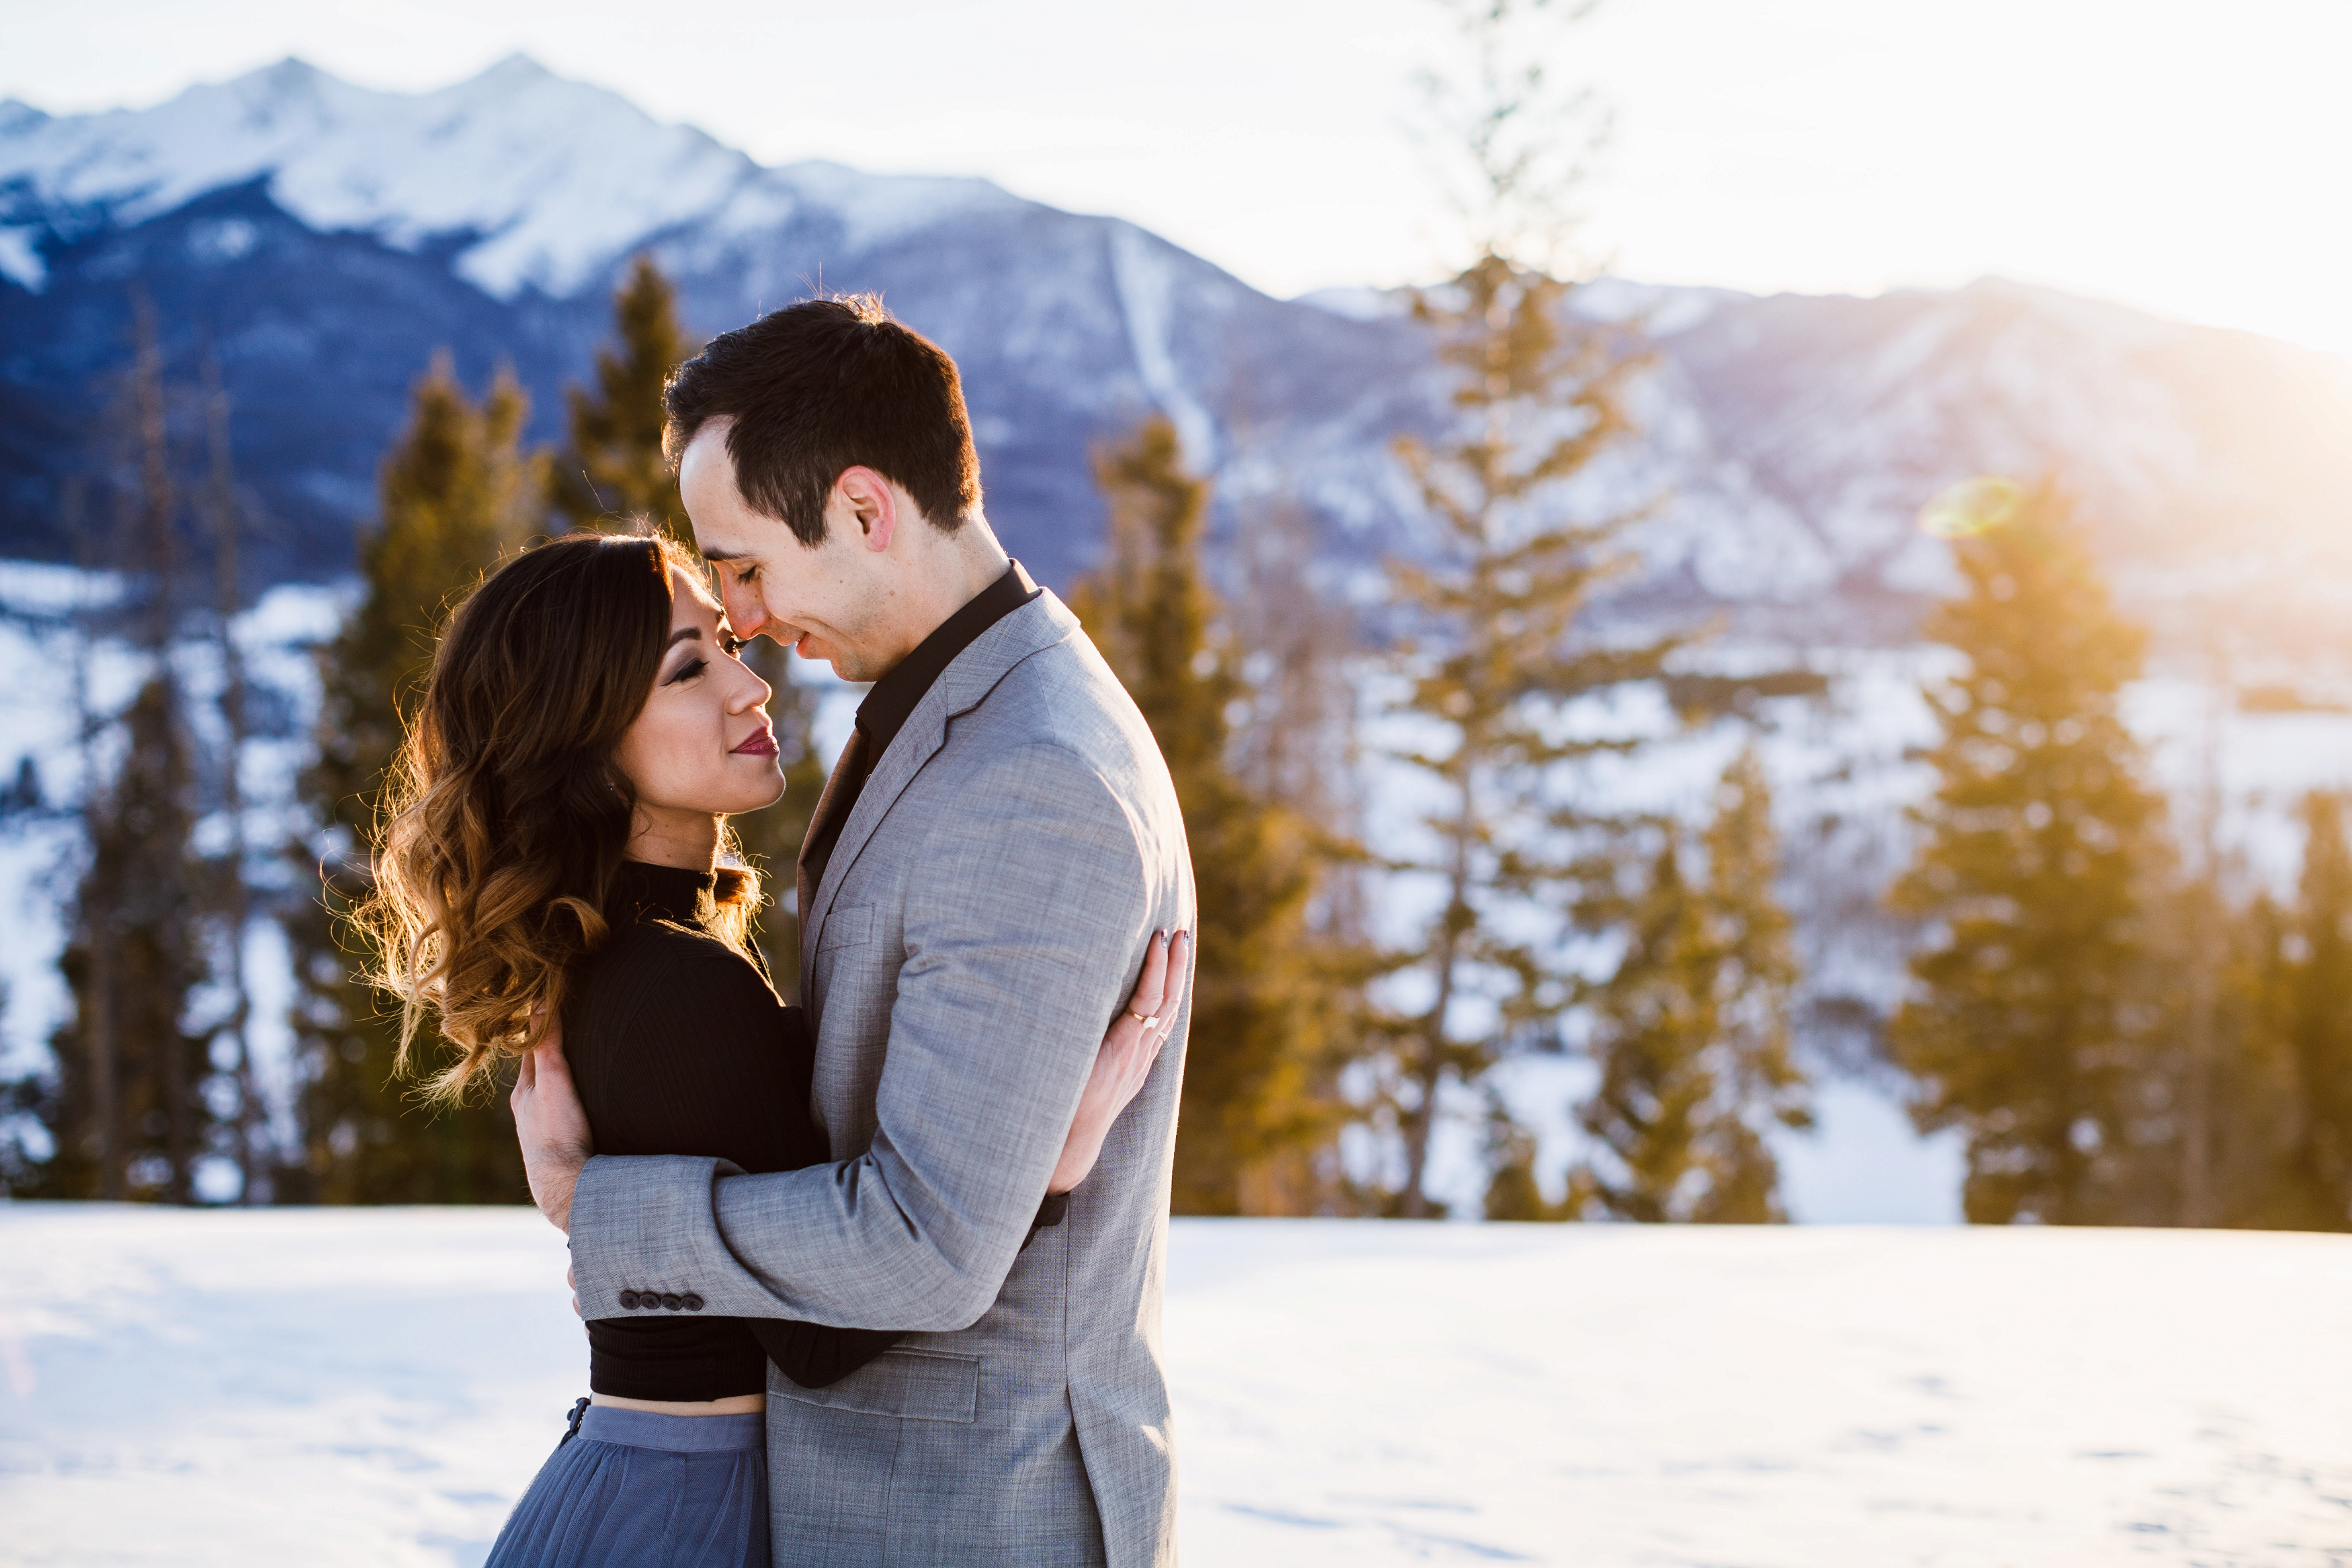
[[734, 1404]]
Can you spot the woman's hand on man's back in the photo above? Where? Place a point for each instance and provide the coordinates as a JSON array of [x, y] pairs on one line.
[[1126, 1059]]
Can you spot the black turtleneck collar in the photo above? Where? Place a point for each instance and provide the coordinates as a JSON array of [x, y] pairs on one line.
[[665, 893]]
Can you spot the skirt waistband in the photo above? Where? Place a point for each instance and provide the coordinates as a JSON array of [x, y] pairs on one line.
[[675, 1433]]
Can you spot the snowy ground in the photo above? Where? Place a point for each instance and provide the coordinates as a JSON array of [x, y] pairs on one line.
[[320, 1388]]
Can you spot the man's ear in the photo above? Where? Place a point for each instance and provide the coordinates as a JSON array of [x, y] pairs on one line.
[[867, 497]]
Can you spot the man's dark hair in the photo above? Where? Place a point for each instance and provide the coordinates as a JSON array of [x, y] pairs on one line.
[[824, 385]]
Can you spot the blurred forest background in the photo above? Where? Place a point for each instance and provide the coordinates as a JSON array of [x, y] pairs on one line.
[[1504, 833]]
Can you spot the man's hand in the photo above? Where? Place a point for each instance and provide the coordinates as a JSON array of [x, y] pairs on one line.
[[551, 1126]]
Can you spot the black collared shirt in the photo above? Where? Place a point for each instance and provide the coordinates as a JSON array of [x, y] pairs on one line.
[[893, 697]]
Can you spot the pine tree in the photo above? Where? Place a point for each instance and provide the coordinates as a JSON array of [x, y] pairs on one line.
[[2024, 1028], [125, 1105], [1296, 746], [1496, 642], [2313, 1023], [2227, 1110], [1691, 1030], [1656, 1019], [1497, 650], [1756, 978], [615, 471], [2217, 1112], [231, 896], [1260, 1003], [1513, 1192], [457, 490], [613, 467], [128, 1116]]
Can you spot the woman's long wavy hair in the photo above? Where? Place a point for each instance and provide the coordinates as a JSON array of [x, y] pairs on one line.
[[504, 818]]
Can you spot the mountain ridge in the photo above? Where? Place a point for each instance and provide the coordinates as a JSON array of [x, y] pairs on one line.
[[320, 239], [410, 167]]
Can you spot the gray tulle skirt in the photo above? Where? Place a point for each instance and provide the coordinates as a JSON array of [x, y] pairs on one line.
[[628, 1489]]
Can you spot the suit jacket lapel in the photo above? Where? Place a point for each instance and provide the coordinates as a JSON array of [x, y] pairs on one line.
[[1040, 623]]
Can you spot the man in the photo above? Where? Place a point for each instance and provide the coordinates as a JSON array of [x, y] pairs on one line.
[[996, 849]]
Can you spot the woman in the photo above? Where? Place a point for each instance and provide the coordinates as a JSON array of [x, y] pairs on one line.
[[557, 850]]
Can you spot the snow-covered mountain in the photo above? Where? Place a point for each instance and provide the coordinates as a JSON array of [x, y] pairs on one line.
[[321, 240], [2214, 468], [544, 183]]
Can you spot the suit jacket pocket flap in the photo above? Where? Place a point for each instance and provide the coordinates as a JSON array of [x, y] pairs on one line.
[[846, 928], [913, 1385]]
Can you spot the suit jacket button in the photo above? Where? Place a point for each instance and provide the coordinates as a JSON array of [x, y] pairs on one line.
[[628, 1300], [672, 1302], [692, 1302]]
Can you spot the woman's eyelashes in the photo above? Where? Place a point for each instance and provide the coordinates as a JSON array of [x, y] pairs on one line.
[[687, 671]]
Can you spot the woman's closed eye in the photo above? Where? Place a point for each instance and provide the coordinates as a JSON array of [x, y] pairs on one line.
[[687, 671]]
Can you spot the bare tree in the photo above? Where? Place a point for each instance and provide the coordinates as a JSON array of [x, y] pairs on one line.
[[253, 1170]]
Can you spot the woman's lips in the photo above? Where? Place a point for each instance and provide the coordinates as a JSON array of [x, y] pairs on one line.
[[761, 744]]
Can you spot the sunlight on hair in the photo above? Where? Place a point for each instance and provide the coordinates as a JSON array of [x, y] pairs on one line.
[[503, 819]]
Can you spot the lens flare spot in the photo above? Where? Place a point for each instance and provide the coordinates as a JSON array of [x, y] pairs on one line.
[[1970, 508]]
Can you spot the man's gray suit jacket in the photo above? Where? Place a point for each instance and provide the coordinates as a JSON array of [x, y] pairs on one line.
[[980, 923]]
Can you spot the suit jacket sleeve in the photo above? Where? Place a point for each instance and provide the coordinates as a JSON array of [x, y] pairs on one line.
[[1022, 938]]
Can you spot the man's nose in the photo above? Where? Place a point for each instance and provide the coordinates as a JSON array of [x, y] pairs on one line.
[[745, 612]]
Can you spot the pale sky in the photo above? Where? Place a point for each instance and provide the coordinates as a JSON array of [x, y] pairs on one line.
[[2192, 159]]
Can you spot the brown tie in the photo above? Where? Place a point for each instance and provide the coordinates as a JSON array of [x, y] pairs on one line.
[[833, 809]]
